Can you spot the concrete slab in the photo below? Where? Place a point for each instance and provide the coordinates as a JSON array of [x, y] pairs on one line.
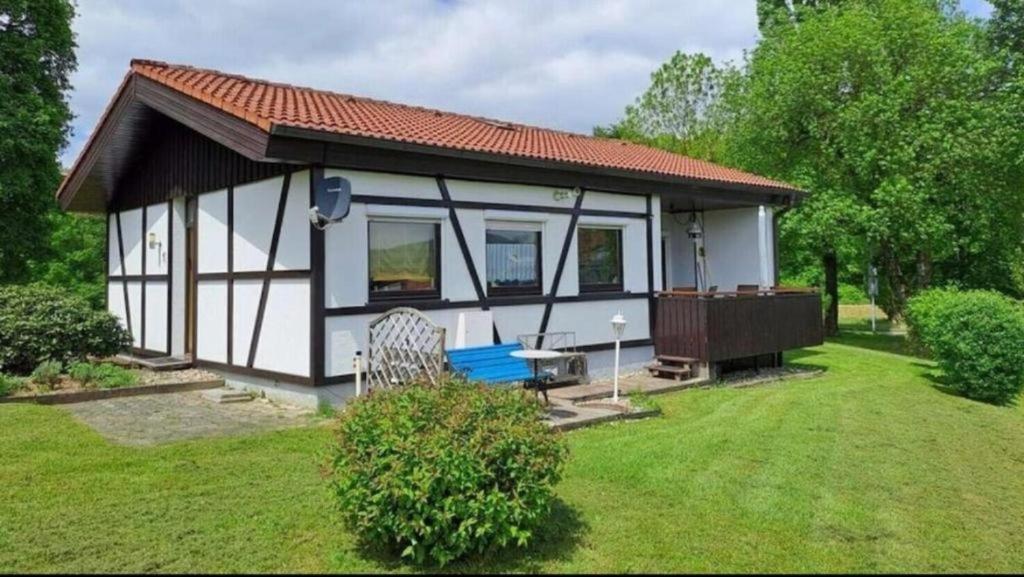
[[565, 416], [603, 389]]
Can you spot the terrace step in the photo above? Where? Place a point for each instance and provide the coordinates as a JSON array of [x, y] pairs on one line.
[[226, 395], [670, 360], [669, 371], [154, 363]]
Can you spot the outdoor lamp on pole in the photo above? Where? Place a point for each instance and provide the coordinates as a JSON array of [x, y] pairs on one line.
[[618, 327]]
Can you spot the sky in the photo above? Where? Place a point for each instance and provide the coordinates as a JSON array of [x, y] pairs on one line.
[[566, 64]]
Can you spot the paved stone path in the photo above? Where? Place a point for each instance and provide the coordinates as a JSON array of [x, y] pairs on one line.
[[156, 419]]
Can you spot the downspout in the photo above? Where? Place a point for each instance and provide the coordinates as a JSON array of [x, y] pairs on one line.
[[762, 246]]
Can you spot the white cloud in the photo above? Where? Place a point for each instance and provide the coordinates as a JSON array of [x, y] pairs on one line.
[[567, 64]]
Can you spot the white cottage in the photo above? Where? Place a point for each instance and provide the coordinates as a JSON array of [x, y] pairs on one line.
[[493, 229]]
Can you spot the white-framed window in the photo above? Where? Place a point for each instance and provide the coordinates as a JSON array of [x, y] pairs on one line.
[[404, 259], [514, 258]]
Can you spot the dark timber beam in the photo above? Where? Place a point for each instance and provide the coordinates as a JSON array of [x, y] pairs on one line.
[[170, 277], [271, 257], [231, 278], [124, 271], [556, 281], [460, 237], [142, 291], [317, 288]]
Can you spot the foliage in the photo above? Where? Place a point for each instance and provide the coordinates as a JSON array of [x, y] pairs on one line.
[[10, 384], [83, 371], [879, 109], [1006, 29], [110, 376], [976, 337], [643, 401], [852, 294], [47, 373], [924, 313], [40, 323], [73, 258], [102, 375], [443, 472], [324, 409], [773, 15], [899, 119], [682, 110], [36, 60]]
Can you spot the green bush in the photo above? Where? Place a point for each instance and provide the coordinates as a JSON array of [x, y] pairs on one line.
[[923, 315], [10, 384], [109, 376], [47, 373], [850, 294], [84, 372], [438, 473], [976, 337], [104, 375], [40, 323]]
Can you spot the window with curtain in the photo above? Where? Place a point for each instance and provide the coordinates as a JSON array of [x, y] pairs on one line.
[[513, 261], [600, 259], [405, 259]]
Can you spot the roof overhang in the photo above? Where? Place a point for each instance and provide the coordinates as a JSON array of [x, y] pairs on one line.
[[92, 181]]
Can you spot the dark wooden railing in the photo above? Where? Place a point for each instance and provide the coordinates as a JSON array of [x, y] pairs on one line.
[[722, 326]]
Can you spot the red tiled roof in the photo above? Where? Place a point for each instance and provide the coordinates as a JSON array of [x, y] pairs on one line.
[[266, 104]]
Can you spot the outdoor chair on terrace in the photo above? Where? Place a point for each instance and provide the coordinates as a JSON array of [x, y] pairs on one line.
[[571, 367]]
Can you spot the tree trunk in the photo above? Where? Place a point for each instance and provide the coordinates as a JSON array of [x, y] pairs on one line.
[[832, 292]]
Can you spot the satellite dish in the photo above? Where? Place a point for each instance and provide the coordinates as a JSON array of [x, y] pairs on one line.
[[333, 199]]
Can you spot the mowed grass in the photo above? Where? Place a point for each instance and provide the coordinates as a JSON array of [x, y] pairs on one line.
[[868, 467]]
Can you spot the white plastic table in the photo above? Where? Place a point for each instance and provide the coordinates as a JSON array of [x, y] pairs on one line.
[[536, 355]]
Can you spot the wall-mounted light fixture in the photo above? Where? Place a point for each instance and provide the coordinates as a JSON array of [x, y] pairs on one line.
[[694, 231]]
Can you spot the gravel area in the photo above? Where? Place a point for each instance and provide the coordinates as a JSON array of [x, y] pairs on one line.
[[156, 419], [148, 377]]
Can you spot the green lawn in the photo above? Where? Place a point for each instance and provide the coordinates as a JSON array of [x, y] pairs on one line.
[[869, 467]]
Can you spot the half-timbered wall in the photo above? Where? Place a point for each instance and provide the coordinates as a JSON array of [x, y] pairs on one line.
[[146, 258], [464, 210], [253, 281]]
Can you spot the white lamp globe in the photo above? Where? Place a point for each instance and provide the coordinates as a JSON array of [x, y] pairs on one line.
[[618, 325]]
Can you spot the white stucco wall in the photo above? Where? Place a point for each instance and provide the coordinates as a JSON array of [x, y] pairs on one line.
[[731, 245]]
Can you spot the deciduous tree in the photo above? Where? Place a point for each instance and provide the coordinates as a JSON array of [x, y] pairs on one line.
[[36, 58]]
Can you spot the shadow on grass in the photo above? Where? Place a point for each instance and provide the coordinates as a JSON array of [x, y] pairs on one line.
[[942, 383], [797, 360], [556, 539], [887, 343]]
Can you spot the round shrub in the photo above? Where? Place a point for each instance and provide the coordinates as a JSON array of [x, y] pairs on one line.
[[437, 473], [976, 337], [923, 315], [39, 323]]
